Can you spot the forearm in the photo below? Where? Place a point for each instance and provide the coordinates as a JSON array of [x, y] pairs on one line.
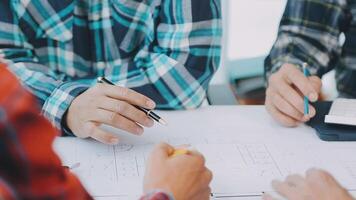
[[157, 195], [54, 95]]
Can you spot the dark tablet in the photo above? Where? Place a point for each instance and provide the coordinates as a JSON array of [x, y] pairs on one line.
[[330, 132]]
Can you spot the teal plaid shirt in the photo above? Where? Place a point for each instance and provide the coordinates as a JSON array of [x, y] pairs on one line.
[[310, 31], [165, 49]]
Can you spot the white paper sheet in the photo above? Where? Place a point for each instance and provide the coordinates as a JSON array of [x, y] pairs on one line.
[[244, 148], [342, 111]]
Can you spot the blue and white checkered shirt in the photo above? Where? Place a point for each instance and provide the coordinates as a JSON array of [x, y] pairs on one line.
[[310, 31], [165, 49]]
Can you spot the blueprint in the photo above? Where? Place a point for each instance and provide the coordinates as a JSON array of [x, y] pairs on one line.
[[243, 162]]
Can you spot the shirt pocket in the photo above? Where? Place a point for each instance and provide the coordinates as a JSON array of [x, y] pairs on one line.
[[133, 24], [61, 31]]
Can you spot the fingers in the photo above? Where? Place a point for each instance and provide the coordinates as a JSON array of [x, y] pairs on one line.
[[163, 150], [267, 197], [290, 95], [297, 78], [115, 120], [284, 96], [282, 188], [320, 177], [316, 82], [204, 194], [125, 109], [207, 176], [286, 108], [102, 136], [199, 158], [280, 117], [128, 95], [295, 180]]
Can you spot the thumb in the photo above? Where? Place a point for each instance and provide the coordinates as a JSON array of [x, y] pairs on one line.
[[162, 150]]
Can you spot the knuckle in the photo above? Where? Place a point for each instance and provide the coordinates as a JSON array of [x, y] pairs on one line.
[[111, 117], [90, 130], [118, 107], [314, 174], [273, 79], [304, 86], [123, 91], [200, 161], [99, 87], [290, 177], [322, 174], [162, 145], [123, 107], [209, 175]]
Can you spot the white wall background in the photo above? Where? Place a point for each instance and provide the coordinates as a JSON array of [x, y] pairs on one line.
[[250, 28]]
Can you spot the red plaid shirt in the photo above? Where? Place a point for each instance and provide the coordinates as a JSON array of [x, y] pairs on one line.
[[29, 168]]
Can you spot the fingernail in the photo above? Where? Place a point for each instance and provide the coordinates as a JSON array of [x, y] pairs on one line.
[[311, 115], [114, 140], [150, 104], [313, 97]]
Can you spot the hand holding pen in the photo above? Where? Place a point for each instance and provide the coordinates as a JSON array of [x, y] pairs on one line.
[[148, 112], [289, 93], [110, 105]]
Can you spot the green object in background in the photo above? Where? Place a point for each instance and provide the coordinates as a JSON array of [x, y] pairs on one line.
[[247, 78], [245, 68]]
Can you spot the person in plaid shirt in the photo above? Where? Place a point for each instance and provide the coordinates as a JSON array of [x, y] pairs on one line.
[[29, 168], [162, 54], [322, 34]]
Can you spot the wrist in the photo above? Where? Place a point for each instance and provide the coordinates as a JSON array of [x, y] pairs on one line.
[[60, 100], [66, 131], [158, 194]]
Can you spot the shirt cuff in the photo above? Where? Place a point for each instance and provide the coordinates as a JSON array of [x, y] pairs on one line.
[[283, 60], [56, 106], [157, 195]]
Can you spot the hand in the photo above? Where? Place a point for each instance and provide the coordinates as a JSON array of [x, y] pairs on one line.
[[318, 185], [285, 95], [184, 176], [111, 105]]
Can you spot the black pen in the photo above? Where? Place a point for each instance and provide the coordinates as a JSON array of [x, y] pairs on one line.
[[148, 112]]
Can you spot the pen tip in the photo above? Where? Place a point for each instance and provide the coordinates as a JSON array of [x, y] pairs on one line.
[[163, 122]]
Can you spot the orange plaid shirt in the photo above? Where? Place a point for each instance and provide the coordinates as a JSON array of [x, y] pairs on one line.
[[29, 168]]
